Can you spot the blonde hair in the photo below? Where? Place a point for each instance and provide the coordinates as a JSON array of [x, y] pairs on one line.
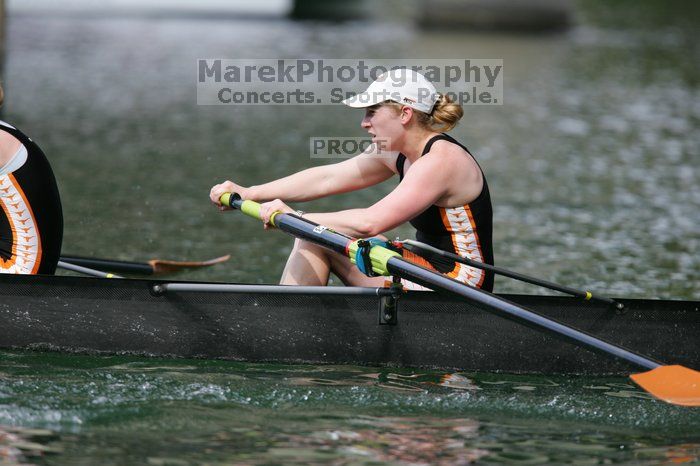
[[445, 115]]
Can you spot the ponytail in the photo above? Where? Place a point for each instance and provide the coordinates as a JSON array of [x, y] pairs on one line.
[[445, 115]]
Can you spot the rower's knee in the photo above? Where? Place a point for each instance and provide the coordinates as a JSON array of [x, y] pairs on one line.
[[302, 245]]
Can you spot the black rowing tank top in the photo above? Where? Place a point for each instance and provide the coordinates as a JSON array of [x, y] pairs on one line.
[[31, 219], [465, 230]]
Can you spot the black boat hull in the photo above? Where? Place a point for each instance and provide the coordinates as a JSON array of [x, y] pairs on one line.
[[112, 316]]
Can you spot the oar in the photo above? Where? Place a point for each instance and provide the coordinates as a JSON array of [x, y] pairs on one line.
[[674, 384], [86, 270], [152, 267], [586, 295]]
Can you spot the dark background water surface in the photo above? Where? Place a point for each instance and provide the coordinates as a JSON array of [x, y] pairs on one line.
[[592, 159]]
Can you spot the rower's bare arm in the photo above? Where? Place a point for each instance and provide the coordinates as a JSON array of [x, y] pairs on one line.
[[411, 197], [9, 145], [361, 171]]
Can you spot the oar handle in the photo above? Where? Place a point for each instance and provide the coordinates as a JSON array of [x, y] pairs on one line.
[[327, 237], [250, 208], [228, 199]]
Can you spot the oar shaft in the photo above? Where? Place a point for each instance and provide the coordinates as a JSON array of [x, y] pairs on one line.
[[510, 311], [110, 264], [85, 270], [152, 267], [587, 295], [298, 227]]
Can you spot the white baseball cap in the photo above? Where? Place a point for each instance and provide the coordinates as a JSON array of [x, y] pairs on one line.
[[402, 85]]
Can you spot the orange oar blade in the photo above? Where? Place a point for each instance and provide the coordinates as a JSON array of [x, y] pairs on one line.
[[163, 266], [677, 385]]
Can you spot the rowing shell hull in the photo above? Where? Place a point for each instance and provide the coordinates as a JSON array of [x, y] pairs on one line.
[[103, 316]]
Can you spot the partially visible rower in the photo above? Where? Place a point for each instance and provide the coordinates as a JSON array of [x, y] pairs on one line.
[[442, 190], [31, 219]]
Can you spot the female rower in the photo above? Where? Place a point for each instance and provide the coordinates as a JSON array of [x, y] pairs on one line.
[[442, 190], [31, 219]]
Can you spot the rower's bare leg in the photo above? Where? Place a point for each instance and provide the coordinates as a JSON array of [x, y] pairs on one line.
[[306, 265], [311, 265]]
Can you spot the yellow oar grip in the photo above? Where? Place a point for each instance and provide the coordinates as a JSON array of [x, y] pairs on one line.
[[272, 217], [225, 199], [250, 208], [589, 295]]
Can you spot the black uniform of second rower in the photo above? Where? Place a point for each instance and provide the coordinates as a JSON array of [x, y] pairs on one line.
[[31, 219]]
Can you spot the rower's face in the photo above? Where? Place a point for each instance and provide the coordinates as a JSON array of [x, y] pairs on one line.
[[382, 122]]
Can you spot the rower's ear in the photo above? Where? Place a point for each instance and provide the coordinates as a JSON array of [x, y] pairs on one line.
[[406, 115]]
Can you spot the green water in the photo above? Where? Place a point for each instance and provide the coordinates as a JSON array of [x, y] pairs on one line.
[[120, 410], [593, 167], [592, 160]]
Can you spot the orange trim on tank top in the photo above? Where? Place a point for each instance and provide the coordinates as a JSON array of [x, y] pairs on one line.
[[453, 237], [416, 259], [17, 186], [6, 264], [478, 245]]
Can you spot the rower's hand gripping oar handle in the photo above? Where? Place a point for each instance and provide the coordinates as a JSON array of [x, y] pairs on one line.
[[378, 255], [229, 200], [250, 208]]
